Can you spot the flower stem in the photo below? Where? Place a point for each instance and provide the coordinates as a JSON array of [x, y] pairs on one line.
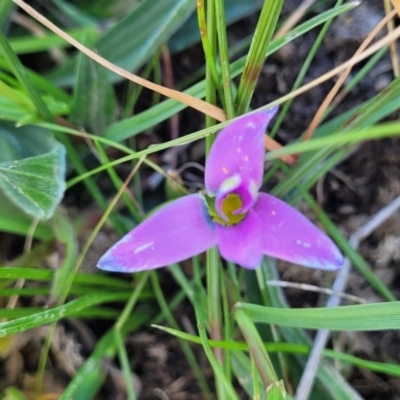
[[214, 298], [213, 267]]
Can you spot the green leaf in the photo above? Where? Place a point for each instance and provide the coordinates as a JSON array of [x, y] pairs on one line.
[[32, 169], [362, 317], [6, 9], [54, 314], [132, 41], [13, 393], [32, 44], [23, 78], [258, 352], [237, 347], [13, 220], [94, 102]]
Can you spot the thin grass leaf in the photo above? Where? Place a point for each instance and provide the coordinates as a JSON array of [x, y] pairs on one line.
[[23, 78], [242, 366], [6, 9], [126, 369], [94, 103], [188, 33], [46, 275], [224, 58], [295, 348], [190, 356], [330, 386], [30, 44], [76, 14], [259, 354], [256, 55], [230, 392], [368, 114], [351, 137], [67, 241], [361, 317], [57, 313], [90, 376]]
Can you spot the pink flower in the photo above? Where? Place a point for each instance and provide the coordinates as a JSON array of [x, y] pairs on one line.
[[232, 214]]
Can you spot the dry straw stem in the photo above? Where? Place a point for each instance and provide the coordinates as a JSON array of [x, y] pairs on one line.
[[395, 56], [57, 54], [184, 98], [329, 98], [296, 16], [272, 145], [386, 40], [396, 5], [191, 101], [393, 47], [317, 289]]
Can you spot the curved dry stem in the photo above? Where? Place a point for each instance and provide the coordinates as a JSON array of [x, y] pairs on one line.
[[393, 46], [328, 99], [200, 105]]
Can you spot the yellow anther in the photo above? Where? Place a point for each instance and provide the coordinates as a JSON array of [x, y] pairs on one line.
[[229, 205]]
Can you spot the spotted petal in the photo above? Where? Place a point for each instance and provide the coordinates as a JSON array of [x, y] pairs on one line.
[[238, 149], [176, 232], [289, 235], [241, 243]]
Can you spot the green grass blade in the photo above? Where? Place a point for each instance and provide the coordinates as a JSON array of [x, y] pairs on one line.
[[363, 317], [135, 38], [57, 313], [256, 55], [23, 78]]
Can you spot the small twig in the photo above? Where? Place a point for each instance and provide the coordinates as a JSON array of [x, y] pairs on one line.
[[321, 338], [12, 301], [312, 288], [191, 164]]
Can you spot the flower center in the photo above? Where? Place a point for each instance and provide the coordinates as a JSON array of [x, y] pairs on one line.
[[231, 203]]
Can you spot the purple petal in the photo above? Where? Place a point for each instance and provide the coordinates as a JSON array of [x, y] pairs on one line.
[[176, 232], [242, 187], [238, 149], [241, 243], [289, 235]]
